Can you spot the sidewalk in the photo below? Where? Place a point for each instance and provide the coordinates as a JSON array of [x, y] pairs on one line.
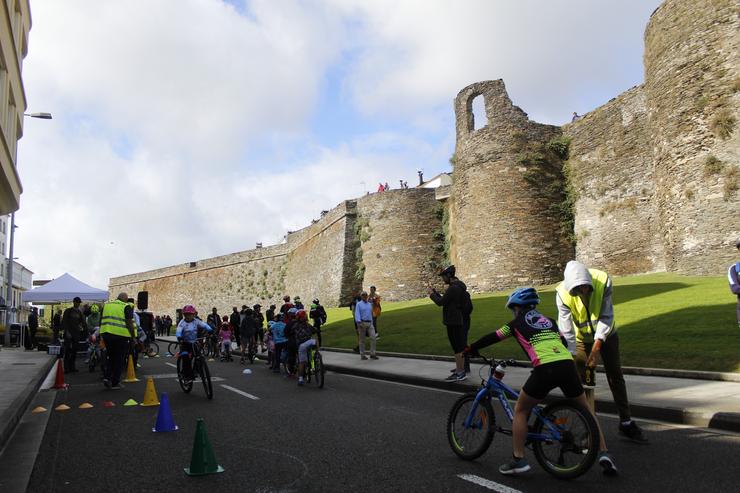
[[710, 401], [21, 375]]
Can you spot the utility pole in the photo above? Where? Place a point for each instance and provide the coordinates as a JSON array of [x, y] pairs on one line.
[[9, 304]]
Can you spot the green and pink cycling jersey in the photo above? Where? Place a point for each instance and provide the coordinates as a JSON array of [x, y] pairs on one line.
[[537, 334]]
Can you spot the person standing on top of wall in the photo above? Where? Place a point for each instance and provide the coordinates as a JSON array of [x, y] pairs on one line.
[[374, 299], [586, 320], [452, 303], [733, 275]]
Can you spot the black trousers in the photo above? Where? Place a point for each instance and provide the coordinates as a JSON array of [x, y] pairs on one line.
[[116, 351], [70, 354]]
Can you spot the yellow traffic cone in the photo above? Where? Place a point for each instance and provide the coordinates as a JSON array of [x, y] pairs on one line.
[[150, 395], [85, 405], [130, 372], [38, 409], [62, 407]]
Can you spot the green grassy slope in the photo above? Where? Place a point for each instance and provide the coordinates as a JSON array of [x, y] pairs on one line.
[[664, 321]]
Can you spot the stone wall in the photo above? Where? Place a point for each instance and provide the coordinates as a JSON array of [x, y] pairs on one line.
[[226, 281], [692, 78], [316, 262], [502, 232], [401, 241], [611, 172], [396, 248]]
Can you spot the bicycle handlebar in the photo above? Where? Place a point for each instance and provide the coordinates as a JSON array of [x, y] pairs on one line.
[[503, 362]]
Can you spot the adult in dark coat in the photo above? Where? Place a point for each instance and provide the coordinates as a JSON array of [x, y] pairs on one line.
[[74, 326]]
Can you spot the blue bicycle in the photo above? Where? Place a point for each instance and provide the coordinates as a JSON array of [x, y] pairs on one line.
[[564, 436]]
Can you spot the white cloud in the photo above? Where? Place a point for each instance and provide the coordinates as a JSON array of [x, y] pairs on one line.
[[156, 105]]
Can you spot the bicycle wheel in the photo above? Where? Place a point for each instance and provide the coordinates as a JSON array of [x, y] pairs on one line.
[[318, 368], [470, 442], [576, 451], [172, 347], [205, 377], [152, 350], [186, 387]]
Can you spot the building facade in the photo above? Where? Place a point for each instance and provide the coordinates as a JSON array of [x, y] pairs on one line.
[[15, 23]]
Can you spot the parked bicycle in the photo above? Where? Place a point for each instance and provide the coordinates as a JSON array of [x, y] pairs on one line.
[[563, 435], [200, 369]]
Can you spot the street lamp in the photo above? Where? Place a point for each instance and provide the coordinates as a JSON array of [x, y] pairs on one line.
[[9, 302], [42, 115]]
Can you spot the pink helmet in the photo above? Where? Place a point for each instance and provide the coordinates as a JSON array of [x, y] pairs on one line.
[[188, 309]]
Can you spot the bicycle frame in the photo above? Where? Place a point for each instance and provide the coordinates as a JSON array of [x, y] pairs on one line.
[[494, 387]]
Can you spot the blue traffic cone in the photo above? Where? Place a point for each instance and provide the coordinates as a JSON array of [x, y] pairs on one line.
[[165, 422], [203, 460]]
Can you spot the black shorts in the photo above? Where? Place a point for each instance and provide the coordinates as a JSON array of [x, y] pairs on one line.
[[546, 377], [456, 335]]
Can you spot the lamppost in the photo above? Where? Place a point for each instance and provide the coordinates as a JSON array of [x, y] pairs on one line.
[[10, 302]]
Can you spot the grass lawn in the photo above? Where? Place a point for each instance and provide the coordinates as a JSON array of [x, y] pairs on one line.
[[664, 321]]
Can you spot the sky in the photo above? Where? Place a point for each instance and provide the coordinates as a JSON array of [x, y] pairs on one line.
[[187, 129]]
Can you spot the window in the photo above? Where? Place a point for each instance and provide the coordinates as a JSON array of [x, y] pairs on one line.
[[478, 107]]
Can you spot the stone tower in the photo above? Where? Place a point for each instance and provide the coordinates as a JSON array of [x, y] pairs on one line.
[[503, 232], [692, 82]]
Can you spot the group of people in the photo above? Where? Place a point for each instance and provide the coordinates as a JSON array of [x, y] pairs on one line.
[[162, 325], [560, 352], [366, 309], [286, 338]]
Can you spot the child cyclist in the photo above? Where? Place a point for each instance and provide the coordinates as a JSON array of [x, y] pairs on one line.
[[553, 366], [225, 335], [303, 332], [187, 334]]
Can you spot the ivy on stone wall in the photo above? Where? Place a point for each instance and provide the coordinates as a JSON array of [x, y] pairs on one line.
[[362, 232], [547, 169], [441, 236]]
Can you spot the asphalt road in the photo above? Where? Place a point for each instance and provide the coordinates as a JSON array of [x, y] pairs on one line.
[[354, 435]]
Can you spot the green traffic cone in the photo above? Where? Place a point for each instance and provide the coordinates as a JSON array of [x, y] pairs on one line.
[[203, 460]]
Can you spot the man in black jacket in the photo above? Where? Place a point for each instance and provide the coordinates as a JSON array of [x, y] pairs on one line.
[[74, 325], [452, 303], [235, 321]]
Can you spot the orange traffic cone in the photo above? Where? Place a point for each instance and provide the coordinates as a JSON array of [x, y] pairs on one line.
[[150, 395], [59, 382], [130, 372]]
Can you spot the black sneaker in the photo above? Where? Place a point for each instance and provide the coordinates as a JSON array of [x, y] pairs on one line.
[[516, 466], [607, 464], [106, 382], [633, 432]]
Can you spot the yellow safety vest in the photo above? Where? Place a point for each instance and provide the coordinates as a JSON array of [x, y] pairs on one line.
[[113, 320], [579, 314]]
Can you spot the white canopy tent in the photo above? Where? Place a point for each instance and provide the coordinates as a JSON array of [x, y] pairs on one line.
[[63, 289]]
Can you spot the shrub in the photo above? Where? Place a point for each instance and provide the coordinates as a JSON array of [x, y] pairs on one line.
[[712, 166], [732, 183], [723, 124]]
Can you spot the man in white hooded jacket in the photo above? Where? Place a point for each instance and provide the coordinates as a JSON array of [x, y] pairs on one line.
[[586, 320]]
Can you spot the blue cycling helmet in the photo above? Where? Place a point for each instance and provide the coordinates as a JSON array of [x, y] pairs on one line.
[[523, 297]]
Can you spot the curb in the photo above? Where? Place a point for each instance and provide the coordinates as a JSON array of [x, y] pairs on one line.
[[12, 416], [627, 370]]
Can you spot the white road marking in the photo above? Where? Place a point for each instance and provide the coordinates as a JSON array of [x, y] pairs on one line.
[[240, 392], [491, 485], [171, 364]]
